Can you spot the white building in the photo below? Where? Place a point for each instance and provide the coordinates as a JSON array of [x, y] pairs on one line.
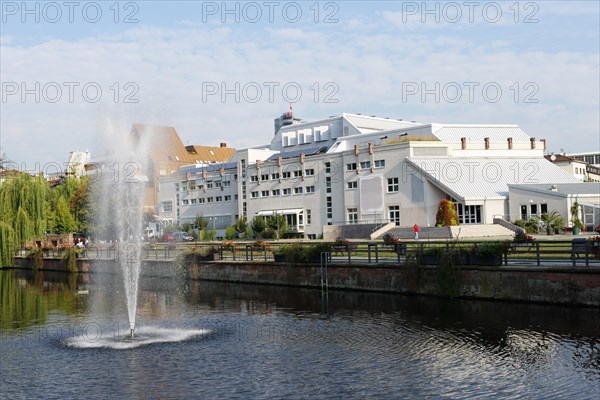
[[356, 169]]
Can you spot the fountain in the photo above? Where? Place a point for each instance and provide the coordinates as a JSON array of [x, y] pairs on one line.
[[121, 198]]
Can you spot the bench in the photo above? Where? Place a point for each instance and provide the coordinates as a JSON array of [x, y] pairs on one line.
[[578, 246]]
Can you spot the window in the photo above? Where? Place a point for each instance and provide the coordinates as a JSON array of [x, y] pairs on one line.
[[327, 167], [219, 199], [264, 177], [287, 175], [523, 212], [469, 214], [298, 190], [185, 202], [167, 206], [309, 172], [287, 192], [264, 193], [308, 217], [177, 187], [228, 197], [352, 185], [393, 185], [534, 210], [275, 176], [275, 192], [394, 214], [217, 184], [226, 183], [200, 187], [254, 195], [254, 178], [209, 199], [235, 197], [297, 173], [201, 200], [544, 208], [365, 165], [184, 186], [310, 189], [192, 185], [351, 167], [379, 163], [209, 184], [193, 201], [352, 215]]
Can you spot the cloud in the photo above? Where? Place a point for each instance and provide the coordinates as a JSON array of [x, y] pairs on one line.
[[345, 68]]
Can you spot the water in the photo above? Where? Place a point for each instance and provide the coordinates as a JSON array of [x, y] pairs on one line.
[[217, 340]]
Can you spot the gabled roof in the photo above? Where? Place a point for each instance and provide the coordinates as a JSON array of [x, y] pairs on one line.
[[164, 143], [481, 178]]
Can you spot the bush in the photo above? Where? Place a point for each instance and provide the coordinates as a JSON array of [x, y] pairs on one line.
[[303, 254], [230, 233], [69, 259], [490, 249], [446, 214]]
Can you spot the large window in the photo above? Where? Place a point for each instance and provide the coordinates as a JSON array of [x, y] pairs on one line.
[[352, 215], [469, 214], [394, 214], [167, 206]]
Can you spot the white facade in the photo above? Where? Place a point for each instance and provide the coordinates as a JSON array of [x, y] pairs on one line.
[[353, 169]]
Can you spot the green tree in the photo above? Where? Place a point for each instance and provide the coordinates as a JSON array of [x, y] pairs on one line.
[[200, 222], [7, 245], [230, 233], [64, 220], [278, 225], [258, 226], [241, 226]]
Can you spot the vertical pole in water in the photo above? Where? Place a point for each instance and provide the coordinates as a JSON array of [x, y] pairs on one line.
[[132, 328]]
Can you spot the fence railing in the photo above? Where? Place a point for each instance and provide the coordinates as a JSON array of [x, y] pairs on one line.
[[574, 253]]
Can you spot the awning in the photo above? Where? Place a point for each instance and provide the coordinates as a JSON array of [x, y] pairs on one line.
[[286, 211]]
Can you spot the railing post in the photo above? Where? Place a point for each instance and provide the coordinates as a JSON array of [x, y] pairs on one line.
[[537, 252], [348, 249], [587, 254], [265, 251], [233, 251]]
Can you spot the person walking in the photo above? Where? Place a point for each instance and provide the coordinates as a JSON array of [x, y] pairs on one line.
[[416, 231]]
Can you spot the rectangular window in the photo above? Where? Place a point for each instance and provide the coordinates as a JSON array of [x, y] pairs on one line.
[[219, 199], [297, 173], [308, 217], [393, 185], [352, 185], [235, 197], [275, 192], [192, 185], [254, 195], [287, 192], [185, 202], [309, 172], [264, 193], [228, 197], [394, 214], [310, 189], [201, 200], [275, 176], [264, 177], [379, 163], [209, 184], [352, 215], [298, 190], [523, 212], [365, 165], [254, 178], [167, 206], [217, 184], [287, 175], [544, 208], [200, 186], [226, 183], [209, 199], [184, 186], [193, 201], [327, 167], [534, 210], [351, 167]]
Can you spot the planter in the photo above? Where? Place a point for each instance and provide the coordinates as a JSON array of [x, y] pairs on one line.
[[486, 260], [280, 258], [549, 231], [576, 231], [461, 259], [429, 260]]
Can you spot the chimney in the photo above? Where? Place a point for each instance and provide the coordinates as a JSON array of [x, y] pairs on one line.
[[356, 150], [509, 143], [532, 140], [487, 142], [463, 143], [223, 144], [370, 148], [543, 143]]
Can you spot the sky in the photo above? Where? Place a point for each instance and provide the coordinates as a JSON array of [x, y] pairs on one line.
[[74, 73]]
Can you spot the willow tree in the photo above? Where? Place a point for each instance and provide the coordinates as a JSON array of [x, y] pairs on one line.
[[23, 227], [7, 245]]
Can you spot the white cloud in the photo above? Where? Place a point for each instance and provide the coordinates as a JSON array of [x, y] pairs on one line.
[[368, 67]]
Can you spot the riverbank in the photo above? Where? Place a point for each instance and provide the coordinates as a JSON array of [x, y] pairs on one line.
[[578, 286]]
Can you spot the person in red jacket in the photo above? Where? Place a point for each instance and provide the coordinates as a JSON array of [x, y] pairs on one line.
[[416, 231]]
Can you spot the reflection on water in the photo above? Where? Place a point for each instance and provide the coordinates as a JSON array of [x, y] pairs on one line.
[[219, 340]]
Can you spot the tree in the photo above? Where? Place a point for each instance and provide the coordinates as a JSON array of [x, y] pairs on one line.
[[200, 222], [7, 245], [446, 214], [278, 225], [230, 233], [241, 226], [79, 205], [258, 226], [64, 220]]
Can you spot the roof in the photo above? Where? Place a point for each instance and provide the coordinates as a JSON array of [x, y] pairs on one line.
[[209, 154], [477, 133], [165, 144], [580, 188], [296, 153], [563, 158], [481, 178]]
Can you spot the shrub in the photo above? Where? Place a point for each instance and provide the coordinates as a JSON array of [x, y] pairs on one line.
[[490, 249], [446, 214], [69, 259]]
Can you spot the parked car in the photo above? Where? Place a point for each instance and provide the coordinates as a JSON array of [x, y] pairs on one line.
[[181, 236], [167, 237]]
